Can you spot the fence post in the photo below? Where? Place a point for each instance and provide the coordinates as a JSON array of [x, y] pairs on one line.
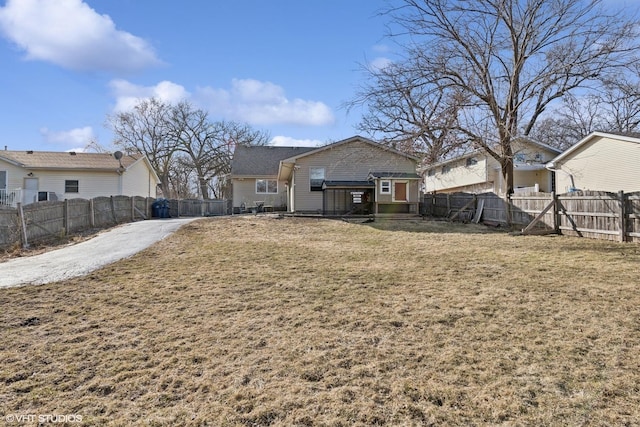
[[113, 210], [622, 217], [23, 226], [556, 217], [92, 213], [133, 208], [65, 221]]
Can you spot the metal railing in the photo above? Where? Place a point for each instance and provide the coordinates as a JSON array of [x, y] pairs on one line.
[[10, 197]]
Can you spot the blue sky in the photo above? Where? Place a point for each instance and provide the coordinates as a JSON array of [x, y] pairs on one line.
[[283, 66]]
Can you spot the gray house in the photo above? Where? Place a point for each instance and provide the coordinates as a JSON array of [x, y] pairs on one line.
[[352, 176]]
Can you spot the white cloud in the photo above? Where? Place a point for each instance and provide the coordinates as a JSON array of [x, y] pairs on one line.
[[285, 141], [381, 48], [74, 137], [263, 103], [379, 63], [128, 94], [71, 34]]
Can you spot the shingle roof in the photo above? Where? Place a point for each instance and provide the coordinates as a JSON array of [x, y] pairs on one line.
[[349, 184], [262, 160], [403, 175], [64, 160]]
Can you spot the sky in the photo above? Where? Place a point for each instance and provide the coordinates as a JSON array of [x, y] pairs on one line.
[[285, 67]]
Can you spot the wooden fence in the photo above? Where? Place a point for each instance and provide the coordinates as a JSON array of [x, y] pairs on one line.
[[592, 214], [46, 220]]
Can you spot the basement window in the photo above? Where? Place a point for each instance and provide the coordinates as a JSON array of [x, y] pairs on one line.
[[71, 186]]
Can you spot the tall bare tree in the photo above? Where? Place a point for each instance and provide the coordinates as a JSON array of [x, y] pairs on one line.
[[614, 107], [144, 130], [183, 144], [207, 146], [510, 59], [412, 112]]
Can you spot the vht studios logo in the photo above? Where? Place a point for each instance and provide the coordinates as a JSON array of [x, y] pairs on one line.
[[43, 418]]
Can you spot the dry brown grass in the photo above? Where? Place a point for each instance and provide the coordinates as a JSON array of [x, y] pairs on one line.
[[257, 321]]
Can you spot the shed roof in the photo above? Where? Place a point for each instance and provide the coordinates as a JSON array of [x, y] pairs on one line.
[[67, 160], [348, 184], [401, 175], [262, 160]]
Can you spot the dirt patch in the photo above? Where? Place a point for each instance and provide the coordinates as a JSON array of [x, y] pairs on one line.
[[264, 321]]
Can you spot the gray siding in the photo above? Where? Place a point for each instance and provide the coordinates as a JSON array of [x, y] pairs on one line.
[[244, 191], [351, 161]]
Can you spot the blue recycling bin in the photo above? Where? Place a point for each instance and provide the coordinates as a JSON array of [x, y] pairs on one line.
[[160, 208]]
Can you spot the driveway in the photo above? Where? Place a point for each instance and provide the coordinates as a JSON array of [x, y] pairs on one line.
[[82, 258]]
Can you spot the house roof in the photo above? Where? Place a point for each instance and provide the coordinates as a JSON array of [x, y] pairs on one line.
[[348, 184], [67, 160], [262, 160], [401, 175], [482, 152], [629, 137], [347, 141]]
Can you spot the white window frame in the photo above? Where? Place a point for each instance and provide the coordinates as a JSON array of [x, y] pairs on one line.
[[266, 180], [385, 186]]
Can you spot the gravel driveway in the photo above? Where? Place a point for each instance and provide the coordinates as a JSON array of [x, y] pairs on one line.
[[78, 260]]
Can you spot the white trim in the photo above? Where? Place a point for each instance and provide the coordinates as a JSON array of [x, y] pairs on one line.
[[382, 185]]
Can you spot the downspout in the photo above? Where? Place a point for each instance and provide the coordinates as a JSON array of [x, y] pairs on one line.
[[552, 167]]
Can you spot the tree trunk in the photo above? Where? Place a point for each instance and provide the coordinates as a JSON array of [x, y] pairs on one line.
[[507, 175]]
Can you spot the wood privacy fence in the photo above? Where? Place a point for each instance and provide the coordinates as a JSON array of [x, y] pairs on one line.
[[44, 220], [593, 214]]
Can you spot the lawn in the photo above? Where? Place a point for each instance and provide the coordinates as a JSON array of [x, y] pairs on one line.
[[255, 321]]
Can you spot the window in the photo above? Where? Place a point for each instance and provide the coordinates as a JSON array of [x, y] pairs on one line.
[[472, 161], [518, 157], [71, 186], [446, 168], [385, 187], [431, 172], [266, 186], [3, 180], [316, 178], [537, 157]]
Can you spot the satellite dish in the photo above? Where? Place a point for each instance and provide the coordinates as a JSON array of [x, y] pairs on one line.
[[117, 155]]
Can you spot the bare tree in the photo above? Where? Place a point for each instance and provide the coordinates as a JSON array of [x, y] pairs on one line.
[[510, 59], [208, 146], [144, 130], [614, 107], [187, 150], [413, 112]]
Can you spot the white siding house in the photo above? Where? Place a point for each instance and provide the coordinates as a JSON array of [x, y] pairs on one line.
[[31, 176], [599, 162], [478, 172]]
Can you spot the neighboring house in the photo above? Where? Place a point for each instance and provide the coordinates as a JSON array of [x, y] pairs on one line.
[[478, 172], [32, 176], [599, 162], [352, 176]]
